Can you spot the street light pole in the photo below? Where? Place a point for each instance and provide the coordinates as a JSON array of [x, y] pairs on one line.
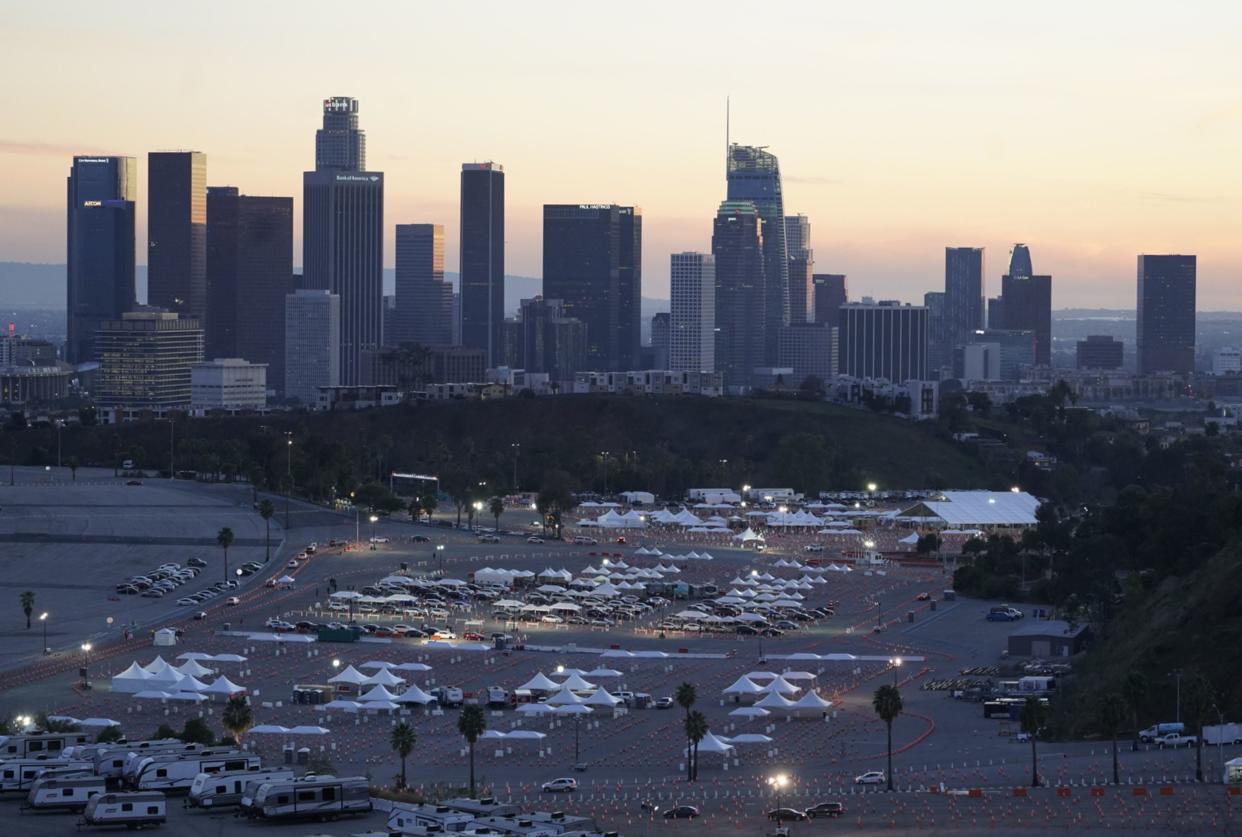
[[59, 427], [517, 449], [86, 665], [1176, 674], [43, 620]]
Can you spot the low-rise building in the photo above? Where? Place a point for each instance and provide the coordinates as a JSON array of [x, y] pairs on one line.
[[358, 398], [651, 382], [228, 383]]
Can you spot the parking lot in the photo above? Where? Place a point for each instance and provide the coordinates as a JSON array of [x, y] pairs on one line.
[[630, 754]]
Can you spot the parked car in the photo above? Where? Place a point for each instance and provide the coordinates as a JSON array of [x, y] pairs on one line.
[[583, 540], [489, 539], [664, 703], [565, 784], [871, 777], [534, 539], [787, 815], [380, 539], [924, 596], [232, 601]]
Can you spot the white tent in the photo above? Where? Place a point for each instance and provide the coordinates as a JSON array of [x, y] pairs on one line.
[[749, 738], [714, 744], [540, 683], [189, 684], [744, 686], [774, 700], [412, 667], [377, 693], [812, 701], [600, 697], [268, 729], [222, 686], [535, 709], [193, 668], [603, 672], [750, 712], [350, 675], [165, 637], [131, 680], [413, 694], [343, 705], [748, 536], [383, 677], [572, 709], [565, 697]]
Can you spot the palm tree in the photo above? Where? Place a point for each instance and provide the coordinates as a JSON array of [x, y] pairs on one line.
[[1114, 712], [266, 510], [696, 731], [73, 464], [1134, 690], [471, 723], [402, 742], [1034, 716], [237, 717], [685, 697], [887, 704], [497, 507], [1198, 698], [225, 539], [27, 599]]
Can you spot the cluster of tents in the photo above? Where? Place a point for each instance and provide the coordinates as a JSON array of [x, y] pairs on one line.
[[612, 520], [160, 680], [766, 692], [375, 691]]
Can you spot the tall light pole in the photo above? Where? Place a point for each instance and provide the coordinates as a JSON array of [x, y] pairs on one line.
[[1176, 674], [604, 456], [778, 783], [59, 426], [43, 621], [896, 663], [517, 449], [373, 520], [86, 665], [440, 557], [288, 472], [172, 447]]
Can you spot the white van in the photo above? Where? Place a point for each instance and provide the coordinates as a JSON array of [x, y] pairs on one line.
[[217, 790], [65, 791], [133, 810], [180, 774]]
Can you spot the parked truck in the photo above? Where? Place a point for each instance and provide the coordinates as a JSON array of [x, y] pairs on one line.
[[1149, 735], [1223, 734], [1175, 739]]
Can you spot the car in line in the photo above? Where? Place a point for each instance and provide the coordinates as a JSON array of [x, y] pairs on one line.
[[534, 539], [871, 777], [826, 809], [565, 784], [381, 539], [664, 703], [787, 815], [489, 539], [681, 812]]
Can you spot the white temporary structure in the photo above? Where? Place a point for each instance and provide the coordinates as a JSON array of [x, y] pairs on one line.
[[193, 668], [350, 675], [744, 686], [413, 694], [222, 686], [540, 683], [131, 680], [377, 693], [565, 697], [383, 677], [577, 683], [774, 700]]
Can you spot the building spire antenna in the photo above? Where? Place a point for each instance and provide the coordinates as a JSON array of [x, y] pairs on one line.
[[726, 136]]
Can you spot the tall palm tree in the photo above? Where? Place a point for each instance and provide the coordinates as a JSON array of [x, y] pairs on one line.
[[225, 539], [1134, 690], [27, 601], [402, 741], [237, 717], [1033, 718], [471, 723], [696, 731], [1198, 698], [887, 704], [685, 697], [497, 507], [1113, 714], [266, 510], [73, 464]]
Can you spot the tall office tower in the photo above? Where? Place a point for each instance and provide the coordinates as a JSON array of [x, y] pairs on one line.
[[145, 358], [801, 266], [424, 298], [591, 261], [312, 344], [249, 273], [741, 298], [482, 264], [964, 294], [661, 340], [389, 319], [1100, 351], [1166, 314], [177, 232], [996, 311], [810, 350], [692, 314], [100, 253], [939, 355], [1013, 349], [340, 145], [1026, 302], [883, 340], [755, 175], [343, 233], [550, 342], [829, 293], [1020, 261]]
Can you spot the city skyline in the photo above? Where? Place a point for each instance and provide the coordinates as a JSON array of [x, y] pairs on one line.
[[1115, 158]]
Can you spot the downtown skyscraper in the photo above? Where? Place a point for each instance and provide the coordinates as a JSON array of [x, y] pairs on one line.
[[249, 275], [801, 267], [592, 262], [342, 233], [1026, 304], [964, 293], [482, 262], [177, 232], [753, 174], [692, 313], [100, 248], [1166, 314], [424, 299], [741, 298]]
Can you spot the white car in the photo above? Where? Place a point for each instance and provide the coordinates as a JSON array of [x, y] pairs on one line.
[[533, 539], [185, 602], [443, 634], [871, 777], [563, 785], [232, 601], [380, 539], [552, 620], [293, 564]]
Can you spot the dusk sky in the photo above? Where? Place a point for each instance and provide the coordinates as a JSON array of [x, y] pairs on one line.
[[1091, 131]]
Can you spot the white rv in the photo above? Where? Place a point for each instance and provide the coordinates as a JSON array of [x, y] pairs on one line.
[[217, 790], [38, 743], [179, 774], [20, 774], [404, 817], [110, 762], [321, 796], [134, 761], [133, 810], [65, 791]]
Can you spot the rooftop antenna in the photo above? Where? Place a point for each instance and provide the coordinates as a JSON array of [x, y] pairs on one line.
[[726, 136]]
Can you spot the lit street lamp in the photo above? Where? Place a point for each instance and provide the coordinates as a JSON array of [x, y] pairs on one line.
[[374, 519], [86, 664], [440, 557], [43, 620], [896, 664], [778, 783]]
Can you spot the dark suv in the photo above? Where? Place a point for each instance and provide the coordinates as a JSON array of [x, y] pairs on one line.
[[826, 809]]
